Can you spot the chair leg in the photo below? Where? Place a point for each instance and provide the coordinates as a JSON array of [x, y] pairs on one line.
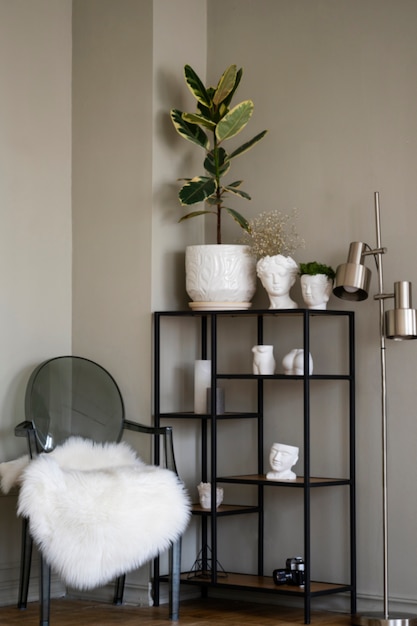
[[119, 590], [25, 564], [44, 592], [174, 580]]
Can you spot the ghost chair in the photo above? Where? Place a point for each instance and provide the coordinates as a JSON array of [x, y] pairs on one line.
[[75, 419]]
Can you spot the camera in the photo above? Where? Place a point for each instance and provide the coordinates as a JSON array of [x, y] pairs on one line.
[[293, 574], [281, 576]]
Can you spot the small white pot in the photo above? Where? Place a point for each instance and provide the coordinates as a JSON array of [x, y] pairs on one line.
[[316, 290], [220, 276]]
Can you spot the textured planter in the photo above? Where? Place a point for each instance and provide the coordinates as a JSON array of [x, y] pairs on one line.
[[220, 276]]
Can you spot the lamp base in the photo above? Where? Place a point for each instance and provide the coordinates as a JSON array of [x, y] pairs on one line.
[[379, 619]]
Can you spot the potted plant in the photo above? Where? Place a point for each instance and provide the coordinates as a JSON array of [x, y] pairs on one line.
[[316, 284], [214, 123], [272, 238]]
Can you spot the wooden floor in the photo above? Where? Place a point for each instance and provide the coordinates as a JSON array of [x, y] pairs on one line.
[[204, 612]]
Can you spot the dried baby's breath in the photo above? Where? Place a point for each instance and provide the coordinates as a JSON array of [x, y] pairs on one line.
[[273, 232]]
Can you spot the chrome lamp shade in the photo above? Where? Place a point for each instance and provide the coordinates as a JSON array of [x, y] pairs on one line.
[[353, 278], [401, 321], [352, 283]]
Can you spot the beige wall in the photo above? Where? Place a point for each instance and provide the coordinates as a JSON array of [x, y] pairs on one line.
[[334, 84], [35, 210], [112, 191], [170, 53]]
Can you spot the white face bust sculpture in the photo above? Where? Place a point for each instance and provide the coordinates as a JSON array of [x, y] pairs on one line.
[[278, 274], [204, 493], [281, 459], [316, 290]]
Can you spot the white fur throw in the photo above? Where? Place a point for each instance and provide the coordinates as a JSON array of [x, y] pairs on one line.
[[97, 511], [11, 473]]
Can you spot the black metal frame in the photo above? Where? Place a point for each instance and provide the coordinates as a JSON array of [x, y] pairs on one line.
[[208, 349]]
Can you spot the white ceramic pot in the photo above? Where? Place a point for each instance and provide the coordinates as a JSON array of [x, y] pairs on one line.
[[293, 362], [278, 274], [220, 276], [204, 493], [263, 360], [316, 290]]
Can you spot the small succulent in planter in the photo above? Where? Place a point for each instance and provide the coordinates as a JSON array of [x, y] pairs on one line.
[[316, 284], [215, 116], [313, 268]]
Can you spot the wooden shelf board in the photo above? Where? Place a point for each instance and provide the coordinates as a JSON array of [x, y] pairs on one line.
[[297, 482], [262, 583], [226, 509]]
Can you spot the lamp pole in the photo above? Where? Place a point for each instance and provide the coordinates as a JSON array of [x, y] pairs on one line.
[[351, 283], [384, 421]]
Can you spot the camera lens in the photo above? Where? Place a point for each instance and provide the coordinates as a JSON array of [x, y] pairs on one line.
[[280, 576]]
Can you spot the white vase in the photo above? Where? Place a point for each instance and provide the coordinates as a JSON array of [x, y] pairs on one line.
[[263, 360], [278, 274], [220, 276], [293, 362], [204, 493], [316, 290]]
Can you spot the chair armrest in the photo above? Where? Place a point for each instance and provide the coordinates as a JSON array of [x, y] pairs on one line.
[[21, 430], [150, 430], [165, 432]]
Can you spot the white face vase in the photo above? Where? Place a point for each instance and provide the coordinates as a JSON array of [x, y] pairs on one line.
[[204, 493], [278, 274], [316, 290], [281, 459]]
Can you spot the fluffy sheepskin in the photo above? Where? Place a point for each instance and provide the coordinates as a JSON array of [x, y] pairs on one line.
[[11, 473], [97, 511]]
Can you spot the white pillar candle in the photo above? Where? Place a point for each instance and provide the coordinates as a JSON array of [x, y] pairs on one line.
[[202, 380]]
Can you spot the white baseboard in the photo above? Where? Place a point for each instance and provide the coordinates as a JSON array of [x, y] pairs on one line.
[[9, 585]]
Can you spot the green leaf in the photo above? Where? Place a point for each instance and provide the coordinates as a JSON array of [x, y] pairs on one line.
[[221, 167], [205, 111], [191, 132], [236, 85], [242, 221], [225, 85], [248, 145], [237, 192], [213, 200], [234, 121], [195, 214], [195, 118], [196, 86], [197, 190]]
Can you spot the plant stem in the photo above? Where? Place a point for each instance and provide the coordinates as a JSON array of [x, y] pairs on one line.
[[219, 215], [218, 189]]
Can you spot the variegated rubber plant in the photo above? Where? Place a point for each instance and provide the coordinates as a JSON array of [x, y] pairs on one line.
[[214, 116]]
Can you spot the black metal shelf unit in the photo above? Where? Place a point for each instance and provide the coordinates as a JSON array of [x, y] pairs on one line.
[[209, 348]]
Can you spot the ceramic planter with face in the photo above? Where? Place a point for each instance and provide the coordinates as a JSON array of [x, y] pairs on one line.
[[278, 274], [316, 290]]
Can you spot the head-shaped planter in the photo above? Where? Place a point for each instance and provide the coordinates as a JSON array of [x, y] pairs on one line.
[[316, 290], [281, 459], [278, 274]]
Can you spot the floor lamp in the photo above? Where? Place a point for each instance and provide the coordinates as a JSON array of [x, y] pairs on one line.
[[352, 283]]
